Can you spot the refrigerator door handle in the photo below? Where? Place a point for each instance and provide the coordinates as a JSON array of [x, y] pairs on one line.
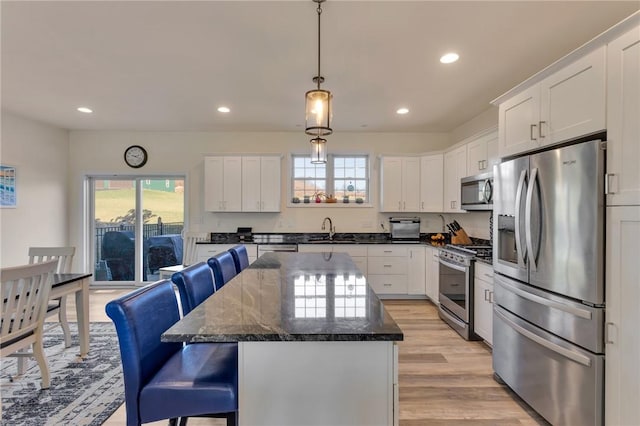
[[527, 219], [521, 252], [579, 358], [581, 313]]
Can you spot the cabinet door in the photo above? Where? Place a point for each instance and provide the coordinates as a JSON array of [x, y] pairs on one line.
[[232, 182], [477, 157], [493, 157], [270, 184], [214, 184], [431, 183], [623, 125], [416, 271], [251, 199], [622, 376], [432, 272], [572, 100], [518, 122], [483, 309], [391, 184], [455, 168], [411, 184]]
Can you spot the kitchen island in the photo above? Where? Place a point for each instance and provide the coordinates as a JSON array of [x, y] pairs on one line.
[[315, 344]]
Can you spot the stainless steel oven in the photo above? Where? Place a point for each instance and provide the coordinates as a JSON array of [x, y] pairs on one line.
[[456, 290]]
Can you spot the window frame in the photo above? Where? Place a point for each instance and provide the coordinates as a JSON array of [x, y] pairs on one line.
[[330, 181]]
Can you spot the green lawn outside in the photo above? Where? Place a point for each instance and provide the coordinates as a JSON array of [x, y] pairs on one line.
[[117, 202]]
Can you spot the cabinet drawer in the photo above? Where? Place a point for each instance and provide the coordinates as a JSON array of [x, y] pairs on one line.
[[388, 284], [353, 250], [387, 250], [483, 272], [205, 251], [315, 248], [387, 265]]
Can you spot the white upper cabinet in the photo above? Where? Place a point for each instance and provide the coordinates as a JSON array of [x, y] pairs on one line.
[[567, 104], [623, 119], [242, 184], [431, 183], [455, 168], [222, 184], [482, 154], [400, 184], [261, 184]]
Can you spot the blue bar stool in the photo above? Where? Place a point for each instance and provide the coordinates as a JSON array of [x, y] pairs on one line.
[[195, 283], [169, 380], [224, 269], [240, 257]]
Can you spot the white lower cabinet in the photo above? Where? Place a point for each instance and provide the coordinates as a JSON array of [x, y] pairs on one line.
[[432, 269], [387, 269], [622, 350], [416, 271], [206, 251], [483, 301]]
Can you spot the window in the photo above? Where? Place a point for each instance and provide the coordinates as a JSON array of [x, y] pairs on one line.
[[346, 177]]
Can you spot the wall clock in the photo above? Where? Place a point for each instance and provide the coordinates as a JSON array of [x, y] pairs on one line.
[[135, 156]]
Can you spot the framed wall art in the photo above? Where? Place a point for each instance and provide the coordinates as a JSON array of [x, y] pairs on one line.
[[7, 186]]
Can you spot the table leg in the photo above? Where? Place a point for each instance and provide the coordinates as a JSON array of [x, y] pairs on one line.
[[82, 310]]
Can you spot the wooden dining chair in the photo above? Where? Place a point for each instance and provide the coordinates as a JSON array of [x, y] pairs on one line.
[[25, 296], [189, 252], [64, 256]]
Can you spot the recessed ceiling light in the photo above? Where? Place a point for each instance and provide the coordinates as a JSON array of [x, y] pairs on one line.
[[223, 109], [85, 110], [402, 111], [449, 58]]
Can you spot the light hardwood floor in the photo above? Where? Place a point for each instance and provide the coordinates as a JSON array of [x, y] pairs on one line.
[[444, 380]]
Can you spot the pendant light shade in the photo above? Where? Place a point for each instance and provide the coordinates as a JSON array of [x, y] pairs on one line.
[[318, 151], [318, 101], [318, 112]]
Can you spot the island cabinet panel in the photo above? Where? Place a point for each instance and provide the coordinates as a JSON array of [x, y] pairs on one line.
[[623, 122]]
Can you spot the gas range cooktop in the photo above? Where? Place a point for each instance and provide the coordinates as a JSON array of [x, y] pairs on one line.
[[470, 251]]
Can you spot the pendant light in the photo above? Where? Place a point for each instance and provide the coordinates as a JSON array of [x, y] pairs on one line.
[[318, 101], [318, 150]]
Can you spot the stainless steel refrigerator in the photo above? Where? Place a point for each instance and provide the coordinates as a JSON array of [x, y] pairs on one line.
[[548, 324]]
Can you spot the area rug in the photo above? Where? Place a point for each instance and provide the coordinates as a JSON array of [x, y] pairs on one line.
[[83, 392]]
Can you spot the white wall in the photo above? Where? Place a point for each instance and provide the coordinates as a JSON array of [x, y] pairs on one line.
[[40, 154], [482, 121], [101, 152]]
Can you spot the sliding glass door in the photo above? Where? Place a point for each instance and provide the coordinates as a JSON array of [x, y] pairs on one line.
[[137, 227]]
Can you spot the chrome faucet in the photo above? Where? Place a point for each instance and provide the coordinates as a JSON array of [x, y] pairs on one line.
[[332, 230], [443, 223]]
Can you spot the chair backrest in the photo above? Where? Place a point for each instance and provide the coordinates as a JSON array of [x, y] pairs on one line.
[[64, 255], [25, 295], [190, 239], [140, 318], [223, 268], [240, 257], [195, 283]]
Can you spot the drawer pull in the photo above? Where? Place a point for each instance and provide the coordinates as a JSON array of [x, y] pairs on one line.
[[386, 285], [488, 276], [387, 266]]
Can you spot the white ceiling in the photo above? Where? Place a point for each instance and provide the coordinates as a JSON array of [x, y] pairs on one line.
[[167, 65]]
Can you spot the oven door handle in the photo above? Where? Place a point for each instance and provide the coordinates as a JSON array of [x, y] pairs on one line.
[[579, 358], [455, 266]]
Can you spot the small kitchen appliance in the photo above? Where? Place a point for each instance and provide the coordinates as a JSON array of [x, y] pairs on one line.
[[405, 229], [476, 192]]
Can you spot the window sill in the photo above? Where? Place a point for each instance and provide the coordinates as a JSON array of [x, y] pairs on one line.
[[330, 205]]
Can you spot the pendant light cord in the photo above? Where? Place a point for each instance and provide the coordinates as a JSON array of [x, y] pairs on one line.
[[319, 10]]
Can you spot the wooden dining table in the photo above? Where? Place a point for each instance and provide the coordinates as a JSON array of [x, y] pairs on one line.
[[316, 345], [77, 284]]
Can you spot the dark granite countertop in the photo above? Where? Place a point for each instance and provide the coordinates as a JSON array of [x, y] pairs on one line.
[[316, 238], [291, 297]]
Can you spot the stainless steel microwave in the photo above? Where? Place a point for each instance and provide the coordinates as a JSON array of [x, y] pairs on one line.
[[476, 192]]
